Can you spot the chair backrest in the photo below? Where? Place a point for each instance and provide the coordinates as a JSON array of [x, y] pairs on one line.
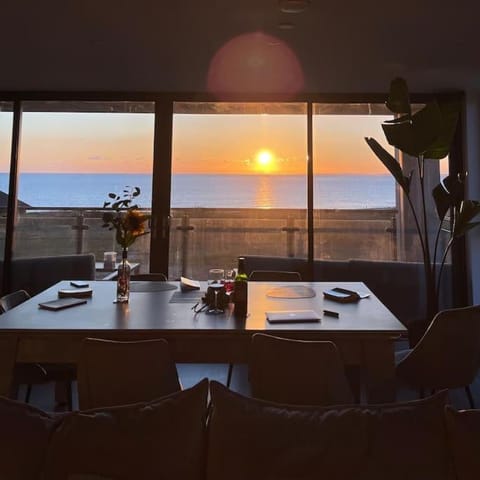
[[11, 300], [448, 354], [297, 372], [274, 276], [149, 277], [117, 373]]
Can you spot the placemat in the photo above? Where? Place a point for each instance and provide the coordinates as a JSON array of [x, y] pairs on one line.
[[291, 291], [193, 297], [148, 286]]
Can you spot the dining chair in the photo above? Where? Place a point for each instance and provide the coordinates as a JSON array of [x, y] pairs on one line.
[[274, 276], [35, 373], [266, 276], [12, 300], [149, 277], [116, 373], [297, 371], [24, 373], [448, 354]]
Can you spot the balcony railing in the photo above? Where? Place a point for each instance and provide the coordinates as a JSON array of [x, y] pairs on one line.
[[205, 237]]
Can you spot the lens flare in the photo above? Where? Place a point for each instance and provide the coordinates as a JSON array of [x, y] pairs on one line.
[[255, 62]]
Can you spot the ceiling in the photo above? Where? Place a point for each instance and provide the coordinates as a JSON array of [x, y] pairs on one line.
[[189, 45]]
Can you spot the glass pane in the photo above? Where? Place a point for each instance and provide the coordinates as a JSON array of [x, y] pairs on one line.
[[72, 155], [238, 185], [363, 220], [354, 195], [6, 121]]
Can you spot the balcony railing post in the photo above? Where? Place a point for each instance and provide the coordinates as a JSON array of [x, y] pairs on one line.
[[80, 227], [184, 228], [290, 229]]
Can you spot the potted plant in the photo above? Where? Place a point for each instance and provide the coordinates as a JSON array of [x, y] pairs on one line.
[[427, 136]]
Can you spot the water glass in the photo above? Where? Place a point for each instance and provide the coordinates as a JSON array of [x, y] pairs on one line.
[[216, 275], [109, 260]]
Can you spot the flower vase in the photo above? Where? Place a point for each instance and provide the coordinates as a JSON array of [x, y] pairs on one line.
[[123, 279]]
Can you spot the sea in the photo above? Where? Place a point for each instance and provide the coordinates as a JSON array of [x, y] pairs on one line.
[[210, 191]]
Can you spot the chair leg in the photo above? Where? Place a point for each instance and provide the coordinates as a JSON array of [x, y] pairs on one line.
[[28, 393], [229, 375], [470, 396], [421, 392]]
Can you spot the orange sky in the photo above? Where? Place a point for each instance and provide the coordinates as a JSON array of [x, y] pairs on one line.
[[105, 142]]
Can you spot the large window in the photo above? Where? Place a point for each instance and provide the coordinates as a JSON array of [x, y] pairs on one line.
[[72, 156], [290, 179], [354, 196], [238, 184]]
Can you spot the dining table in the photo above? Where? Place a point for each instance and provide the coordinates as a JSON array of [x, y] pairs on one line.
[[363, 330]]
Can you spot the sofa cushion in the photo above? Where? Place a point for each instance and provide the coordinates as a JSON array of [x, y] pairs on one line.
[[164, 438], [25, 432], [464, 437], [255, 439]]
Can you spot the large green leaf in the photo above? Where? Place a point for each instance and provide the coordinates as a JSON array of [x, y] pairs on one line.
[[391, 163], [398, 99], [416, 136], [468, 210], [448, 194], [442, 200], [449, 117]]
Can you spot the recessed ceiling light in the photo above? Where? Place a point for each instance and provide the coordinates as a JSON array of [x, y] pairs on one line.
[[293, 6]]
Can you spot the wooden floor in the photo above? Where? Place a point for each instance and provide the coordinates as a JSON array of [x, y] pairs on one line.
[[43, 395]]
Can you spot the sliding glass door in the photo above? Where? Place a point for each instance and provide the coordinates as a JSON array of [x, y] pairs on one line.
[[72, 155], [354, 195], [238, 184]]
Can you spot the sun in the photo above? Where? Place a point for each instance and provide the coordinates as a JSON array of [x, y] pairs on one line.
[[264, 161]]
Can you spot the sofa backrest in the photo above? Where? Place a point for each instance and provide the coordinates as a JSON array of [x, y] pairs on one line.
[[35, 274], [284, 264], [244, 438]]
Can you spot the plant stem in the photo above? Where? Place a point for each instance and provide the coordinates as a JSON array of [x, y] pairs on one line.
[[444, 258], [430, 283]]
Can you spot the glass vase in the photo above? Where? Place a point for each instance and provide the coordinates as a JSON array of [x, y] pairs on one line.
[[123, 279]]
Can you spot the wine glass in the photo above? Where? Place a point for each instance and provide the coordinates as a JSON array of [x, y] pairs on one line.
[[229, 279], [215, 282]]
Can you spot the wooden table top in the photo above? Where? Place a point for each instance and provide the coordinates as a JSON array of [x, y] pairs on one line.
[[155, 311]]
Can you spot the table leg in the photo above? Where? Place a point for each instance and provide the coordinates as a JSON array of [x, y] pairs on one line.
[[379, 368], [8, 353]]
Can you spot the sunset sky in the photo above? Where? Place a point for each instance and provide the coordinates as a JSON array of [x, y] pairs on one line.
[[222, 143]]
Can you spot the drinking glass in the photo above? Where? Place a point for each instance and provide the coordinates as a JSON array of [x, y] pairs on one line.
[[215, 281], [229, 279], [216, 275]]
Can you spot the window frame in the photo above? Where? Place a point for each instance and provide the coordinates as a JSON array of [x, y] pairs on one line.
[[162, 149]]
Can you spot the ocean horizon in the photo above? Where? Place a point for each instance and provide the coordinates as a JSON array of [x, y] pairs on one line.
[[209, 191]]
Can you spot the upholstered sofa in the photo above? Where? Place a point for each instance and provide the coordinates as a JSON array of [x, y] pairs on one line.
[[399, 285], [35, 274], [240, 438]]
